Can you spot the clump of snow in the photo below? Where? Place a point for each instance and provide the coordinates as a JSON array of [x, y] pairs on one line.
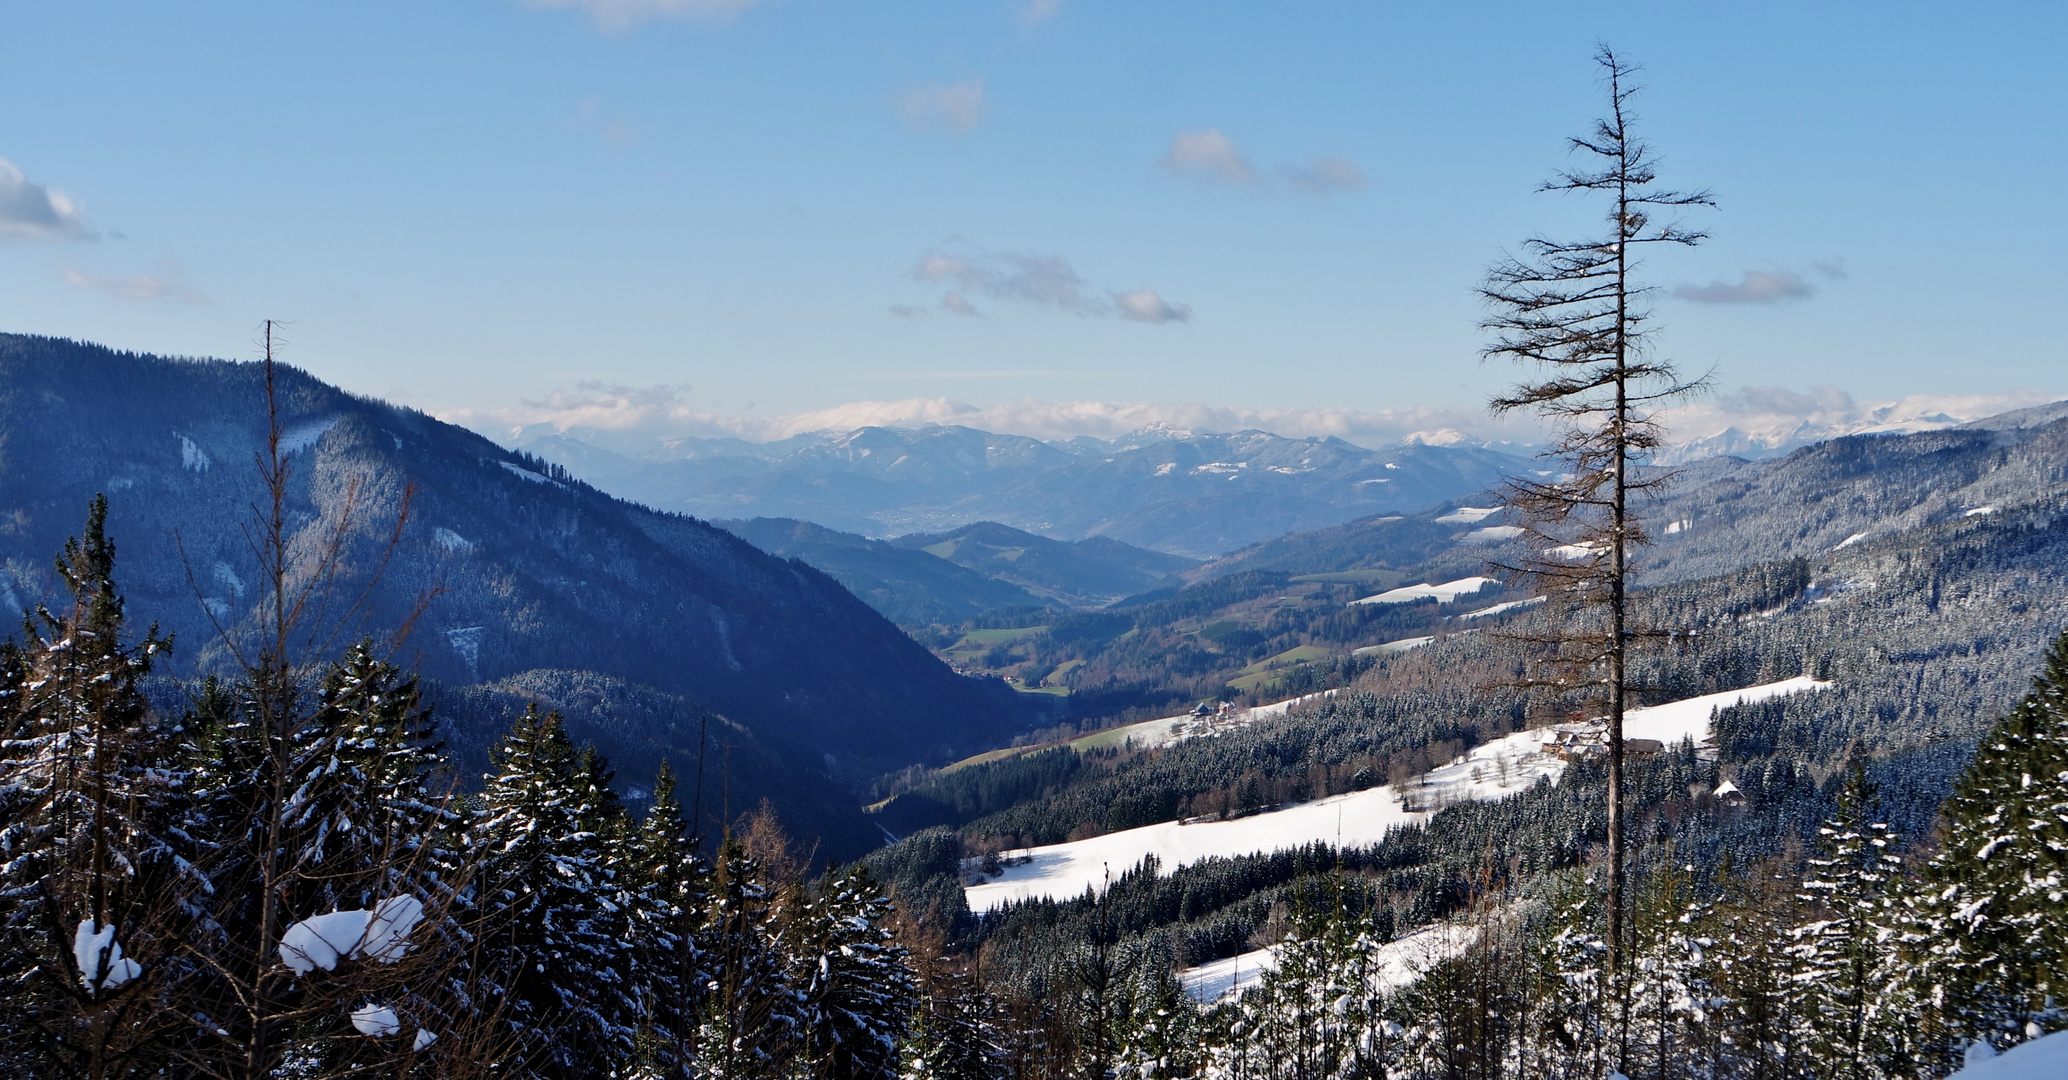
[[192, 456], [378, 1021], [1443, 594], [1467, 515], [1503, 609], [380, 934], [101, 963], [1850, 541], [302, 436], [452, 541], [2041, 1059], [424, 1037]]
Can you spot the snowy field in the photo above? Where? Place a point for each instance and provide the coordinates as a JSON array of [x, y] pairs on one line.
[[1442, 594], [1490, 771], [1175, 729], [1399, 963], [1065, 871]]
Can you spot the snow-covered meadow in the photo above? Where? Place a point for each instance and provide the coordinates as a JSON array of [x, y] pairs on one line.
[[1490, 771]]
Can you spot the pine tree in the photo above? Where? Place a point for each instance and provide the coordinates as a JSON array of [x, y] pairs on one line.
[[1848, 1000], [668, 883], [855, 985], [1672, 994], [1997, 887], [751, 1016], [89, 865], [549, 908]]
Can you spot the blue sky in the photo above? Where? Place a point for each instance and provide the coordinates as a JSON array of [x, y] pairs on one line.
[[760, 209]]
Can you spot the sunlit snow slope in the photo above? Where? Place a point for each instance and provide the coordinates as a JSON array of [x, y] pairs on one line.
[[1501, 767]]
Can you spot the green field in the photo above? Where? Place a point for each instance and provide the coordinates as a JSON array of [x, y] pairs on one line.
[[1262, 670]]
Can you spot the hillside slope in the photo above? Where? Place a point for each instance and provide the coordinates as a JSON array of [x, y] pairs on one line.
[[532, 571]]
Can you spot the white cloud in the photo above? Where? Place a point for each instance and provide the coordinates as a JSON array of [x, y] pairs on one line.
[[1208, 156], [31, 211], [1328, 175], [620, 15], [1756, 287], [958, 107], [1039, 280], [1143, 305], [1035, 12], [134, 286]]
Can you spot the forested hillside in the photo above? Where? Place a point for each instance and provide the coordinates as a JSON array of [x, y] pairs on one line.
[[524, 568]]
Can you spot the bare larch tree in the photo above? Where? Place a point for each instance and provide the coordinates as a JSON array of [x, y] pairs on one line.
[[1575, 313]]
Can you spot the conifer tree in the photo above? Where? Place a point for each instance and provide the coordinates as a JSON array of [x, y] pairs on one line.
[[1996, 890], [856, 990], [1576, 311], [90, 867], [547, 901], [1847, 994], [668, 883], [751, 1019]]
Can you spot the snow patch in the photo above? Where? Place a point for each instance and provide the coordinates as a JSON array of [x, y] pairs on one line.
[[1165, 468], [227, 575], [1176, 729], [192, 456], [1503, 609], [1979, 511], [1467, 515], [1682, 525], [1396, 964], [424, 1037], [101, 963], [1388, 648], [452, 541], [2041, 1059], [1442, 594], [380, 934], [466, 641], [527, 474], [1850, 541], [378, 1021], [1575, 552], [302, 436], [1494, 534]]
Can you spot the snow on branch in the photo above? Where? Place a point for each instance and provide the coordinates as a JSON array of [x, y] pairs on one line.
[[323, 940]]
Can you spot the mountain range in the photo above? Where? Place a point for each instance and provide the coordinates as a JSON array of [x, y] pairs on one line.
[[1182, 492]]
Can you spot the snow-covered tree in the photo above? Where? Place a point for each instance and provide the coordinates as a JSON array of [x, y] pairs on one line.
[[1996, 890], [668, 884], [90, 868], [856, 988], [751, 1011], [1848, 996], [550, 913]]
